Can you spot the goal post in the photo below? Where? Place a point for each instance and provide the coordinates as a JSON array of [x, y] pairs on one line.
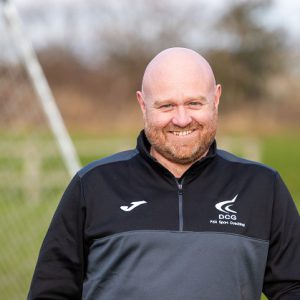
[[37, 155], [41, 87]]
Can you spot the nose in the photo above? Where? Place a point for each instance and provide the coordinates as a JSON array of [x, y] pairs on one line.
[[182, 117]]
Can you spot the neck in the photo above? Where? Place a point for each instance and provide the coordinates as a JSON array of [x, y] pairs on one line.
[[176, 169]]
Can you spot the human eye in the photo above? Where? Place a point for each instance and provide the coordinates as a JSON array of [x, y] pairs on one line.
[[195, 104], [166, 106]]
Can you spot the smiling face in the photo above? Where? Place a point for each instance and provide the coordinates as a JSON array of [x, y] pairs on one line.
[[179, 100]]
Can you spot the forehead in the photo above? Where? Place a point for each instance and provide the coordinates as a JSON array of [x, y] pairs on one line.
[[179, 84], [178, 75]]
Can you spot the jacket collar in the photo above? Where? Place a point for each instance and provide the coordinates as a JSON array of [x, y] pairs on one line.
[[143, 146]]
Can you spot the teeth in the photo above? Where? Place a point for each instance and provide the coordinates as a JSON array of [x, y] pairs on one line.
[[181, 133]]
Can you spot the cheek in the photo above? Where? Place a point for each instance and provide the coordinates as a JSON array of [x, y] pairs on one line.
[[204, 117], [157, 119]]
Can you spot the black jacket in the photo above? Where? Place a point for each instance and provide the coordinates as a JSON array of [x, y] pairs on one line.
[[126, 229]]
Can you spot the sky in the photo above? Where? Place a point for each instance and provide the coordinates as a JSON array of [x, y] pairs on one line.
[[285, 13]]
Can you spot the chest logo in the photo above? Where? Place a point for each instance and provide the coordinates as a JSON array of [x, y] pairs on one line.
[[133, 206], [224, 206], [227, 216]]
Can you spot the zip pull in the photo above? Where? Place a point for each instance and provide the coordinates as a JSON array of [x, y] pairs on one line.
[[179, 183], [180, 186]]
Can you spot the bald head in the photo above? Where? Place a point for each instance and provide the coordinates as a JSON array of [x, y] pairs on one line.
[[179, 101], [177, 66]]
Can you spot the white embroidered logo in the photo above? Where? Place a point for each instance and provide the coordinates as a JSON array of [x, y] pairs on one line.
[[224, 206], [133, 206], [227, 216]]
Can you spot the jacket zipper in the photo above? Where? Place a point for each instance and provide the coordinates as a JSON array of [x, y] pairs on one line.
[[180, 204]]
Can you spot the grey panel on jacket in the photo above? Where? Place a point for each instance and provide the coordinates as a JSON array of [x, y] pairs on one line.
[[167, 265], [121, 156], [233, 158]]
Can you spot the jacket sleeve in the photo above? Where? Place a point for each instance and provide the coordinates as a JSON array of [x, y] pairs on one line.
[[282, 276], [60, 267]]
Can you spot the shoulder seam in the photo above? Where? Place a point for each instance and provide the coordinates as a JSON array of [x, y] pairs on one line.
[[235, 159], [115, 158]]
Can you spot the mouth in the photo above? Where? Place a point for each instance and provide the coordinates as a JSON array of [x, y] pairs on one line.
[[182, 133]]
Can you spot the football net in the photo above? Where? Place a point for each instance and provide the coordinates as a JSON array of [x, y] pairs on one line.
[[37, 157]]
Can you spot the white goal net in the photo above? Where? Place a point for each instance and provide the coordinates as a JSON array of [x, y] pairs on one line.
[[33, 172]]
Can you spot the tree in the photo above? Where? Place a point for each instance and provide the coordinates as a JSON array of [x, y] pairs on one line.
[[252, 53]]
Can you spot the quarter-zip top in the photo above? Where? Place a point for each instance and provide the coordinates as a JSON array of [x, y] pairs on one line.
[[127, 229]]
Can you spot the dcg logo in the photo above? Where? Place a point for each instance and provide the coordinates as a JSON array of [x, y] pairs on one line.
[[227, 217]]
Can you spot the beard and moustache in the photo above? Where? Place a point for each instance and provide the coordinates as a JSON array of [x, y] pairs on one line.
[[185, 152]]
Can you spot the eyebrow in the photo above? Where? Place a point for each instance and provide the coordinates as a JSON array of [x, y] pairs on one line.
[[160, 102]]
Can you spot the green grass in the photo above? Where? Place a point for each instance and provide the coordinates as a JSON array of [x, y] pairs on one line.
[[283, 154], [25, 214]]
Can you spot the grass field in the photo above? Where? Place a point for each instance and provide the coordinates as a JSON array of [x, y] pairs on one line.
[[33, 179]]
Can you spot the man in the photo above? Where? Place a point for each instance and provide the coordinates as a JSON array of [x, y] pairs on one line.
[[175, 218]]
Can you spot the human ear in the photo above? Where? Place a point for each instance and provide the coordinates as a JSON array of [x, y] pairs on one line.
[[141, 101], [218, 92]]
